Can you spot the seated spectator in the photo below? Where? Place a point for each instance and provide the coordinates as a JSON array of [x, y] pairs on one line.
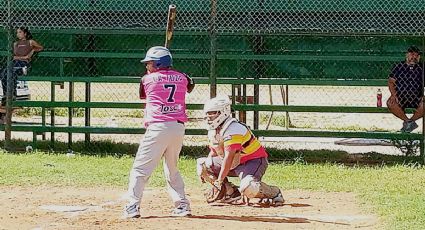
[[23, 50], [405, 83]]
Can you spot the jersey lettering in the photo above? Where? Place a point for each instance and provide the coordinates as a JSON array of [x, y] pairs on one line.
[[172, 88]]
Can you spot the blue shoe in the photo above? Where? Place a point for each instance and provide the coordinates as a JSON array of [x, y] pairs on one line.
[[132, 211]]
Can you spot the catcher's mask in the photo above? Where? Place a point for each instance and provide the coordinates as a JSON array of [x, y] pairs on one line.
[[216, 111]]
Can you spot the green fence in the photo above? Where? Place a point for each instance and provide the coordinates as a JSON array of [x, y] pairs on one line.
[[293, 68]]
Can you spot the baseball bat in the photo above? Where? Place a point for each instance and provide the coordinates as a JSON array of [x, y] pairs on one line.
[[170, 25]]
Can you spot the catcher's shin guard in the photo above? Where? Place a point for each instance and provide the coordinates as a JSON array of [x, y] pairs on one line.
[[261, 190], [232, 192]]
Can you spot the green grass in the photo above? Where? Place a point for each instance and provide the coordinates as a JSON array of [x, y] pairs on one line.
[[395, 192], [278, 120], [80, 170]]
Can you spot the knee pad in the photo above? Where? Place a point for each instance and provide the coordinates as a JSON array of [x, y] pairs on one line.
[[249, 186]]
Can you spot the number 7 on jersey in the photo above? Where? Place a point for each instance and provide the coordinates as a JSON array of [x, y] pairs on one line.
[[172, 88]]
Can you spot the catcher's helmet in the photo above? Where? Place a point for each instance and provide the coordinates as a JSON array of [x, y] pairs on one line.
[[160, 55], [221, 105]]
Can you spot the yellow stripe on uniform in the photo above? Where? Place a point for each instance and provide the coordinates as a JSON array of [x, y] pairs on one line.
[[254, 146], [242, 139], [246, 137], [238, 139]]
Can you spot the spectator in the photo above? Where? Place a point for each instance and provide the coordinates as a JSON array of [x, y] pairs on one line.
[[405, 83], [23, 50]]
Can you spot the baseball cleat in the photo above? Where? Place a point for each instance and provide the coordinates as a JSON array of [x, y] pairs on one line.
[[182, 210], [132, 211], [278, 200]]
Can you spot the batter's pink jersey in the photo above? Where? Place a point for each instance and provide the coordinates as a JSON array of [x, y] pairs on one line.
[[165, 92]]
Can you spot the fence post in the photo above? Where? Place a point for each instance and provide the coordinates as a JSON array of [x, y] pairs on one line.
[[52, 113], [43, 123], [213, 48], [70, 112], [259, 64], [92, 72], [259, 73], [9, 94], [422, 142]]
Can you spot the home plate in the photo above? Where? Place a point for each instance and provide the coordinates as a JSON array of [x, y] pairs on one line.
[[69, 208]]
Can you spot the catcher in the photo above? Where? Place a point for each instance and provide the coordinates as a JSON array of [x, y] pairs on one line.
[[234, 152]]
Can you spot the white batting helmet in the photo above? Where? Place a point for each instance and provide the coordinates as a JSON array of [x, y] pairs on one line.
[[160, 55], [220, 104]]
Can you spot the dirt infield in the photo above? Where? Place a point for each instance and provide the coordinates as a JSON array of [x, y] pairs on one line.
[[47, 207]]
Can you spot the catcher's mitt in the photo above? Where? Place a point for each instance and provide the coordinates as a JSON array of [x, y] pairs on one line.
[[216, 193]]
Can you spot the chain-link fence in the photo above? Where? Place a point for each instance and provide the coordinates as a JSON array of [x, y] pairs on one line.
[[322, 64]]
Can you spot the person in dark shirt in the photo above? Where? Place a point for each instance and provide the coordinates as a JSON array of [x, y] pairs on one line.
[[405, 83], [23, 50]]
